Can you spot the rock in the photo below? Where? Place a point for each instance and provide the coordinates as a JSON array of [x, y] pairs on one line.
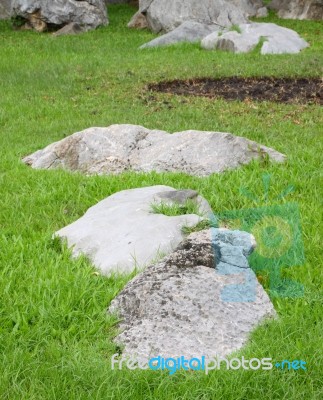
[[262, 12], [35, 22], [121, 148], [70, 29], [122, 232], [188, 31], [42, 14], [249, 7], [138, 21], [5, 9], [166, 15], [178, 196], [277, 39], [193, 303], [298, 9], [230, 41]]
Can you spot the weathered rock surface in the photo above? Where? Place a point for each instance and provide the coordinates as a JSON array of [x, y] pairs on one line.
[[121, 148], [188, 31], [5, 9], [40, 14], [202, 300], [166, 15], [122, 232], [299, 9], [277, 39]]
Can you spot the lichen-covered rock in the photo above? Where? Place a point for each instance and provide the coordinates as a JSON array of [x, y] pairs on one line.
[[299, 9], [201, 300], [121, 148], [41, 14]]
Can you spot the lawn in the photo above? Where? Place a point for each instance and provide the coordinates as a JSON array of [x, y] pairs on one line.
[[55, 335]]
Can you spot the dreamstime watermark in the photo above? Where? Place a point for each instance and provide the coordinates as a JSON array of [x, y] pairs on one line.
[[204, 364], [278, 234]]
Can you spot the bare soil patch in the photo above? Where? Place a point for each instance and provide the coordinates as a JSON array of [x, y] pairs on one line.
[[281, 90]]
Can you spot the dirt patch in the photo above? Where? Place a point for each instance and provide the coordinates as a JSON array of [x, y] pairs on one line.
[[281, 90]]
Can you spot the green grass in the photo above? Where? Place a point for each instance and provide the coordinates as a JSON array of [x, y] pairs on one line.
[[204, 224], [55, 335], [173, 210], [235, 28]]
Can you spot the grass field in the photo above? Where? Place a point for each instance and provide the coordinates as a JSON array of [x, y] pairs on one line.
[[55, 335]]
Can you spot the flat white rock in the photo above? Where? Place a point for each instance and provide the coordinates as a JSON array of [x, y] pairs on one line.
[[122, 233]]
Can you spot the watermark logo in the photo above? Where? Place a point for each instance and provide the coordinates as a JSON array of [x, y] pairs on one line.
[[278, 233], [294, 365], [172, 365]]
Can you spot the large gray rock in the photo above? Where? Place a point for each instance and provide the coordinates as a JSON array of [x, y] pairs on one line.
[[277, 39], [5, 9], [122, 232], [188, 31], [299, 9], [41, 13], [121, 148], [202, 300], [166, 15]]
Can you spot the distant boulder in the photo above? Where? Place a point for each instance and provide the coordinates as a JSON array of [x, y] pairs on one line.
[[41, 15], [298, 9], [166, 15], [276, 39]]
